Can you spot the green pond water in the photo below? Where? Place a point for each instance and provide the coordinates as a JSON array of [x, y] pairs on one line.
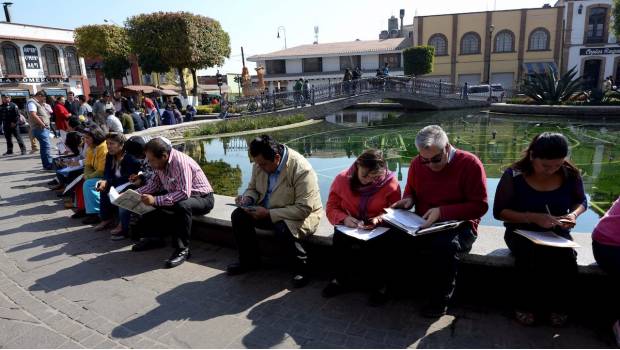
[[498, 140]]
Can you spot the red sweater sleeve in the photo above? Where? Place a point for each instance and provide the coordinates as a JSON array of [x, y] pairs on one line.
[[409, 192], [335, 213], [476, 203]]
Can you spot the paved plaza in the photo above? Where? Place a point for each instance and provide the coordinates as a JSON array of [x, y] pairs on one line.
[[64, 285]]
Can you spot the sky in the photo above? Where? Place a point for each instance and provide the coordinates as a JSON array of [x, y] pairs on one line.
[[254, 24]]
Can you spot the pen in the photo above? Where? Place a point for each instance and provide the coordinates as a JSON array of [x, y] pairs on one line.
[[548, 211]]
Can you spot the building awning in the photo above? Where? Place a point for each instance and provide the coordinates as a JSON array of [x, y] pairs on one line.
[[16, 93], [540, 67], [147, 89], [56, 92], [166, 92]]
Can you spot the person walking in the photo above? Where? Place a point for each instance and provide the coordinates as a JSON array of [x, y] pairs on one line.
[[40, 124], [9, 115]]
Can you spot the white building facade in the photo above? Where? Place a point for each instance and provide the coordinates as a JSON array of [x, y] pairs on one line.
[[34, 58], [324, 63], [589, 42]]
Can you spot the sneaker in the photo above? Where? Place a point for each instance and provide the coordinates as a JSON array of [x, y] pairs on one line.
[[7, 153], [616, 330]]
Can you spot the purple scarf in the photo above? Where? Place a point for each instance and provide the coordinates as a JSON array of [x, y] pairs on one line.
[[367, 191]]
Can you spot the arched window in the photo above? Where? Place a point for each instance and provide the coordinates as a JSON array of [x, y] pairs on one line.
[[440, 43], [73, 62], [595, 31], [10, 54], [504, 41], [50, 60], [470, 43], [539, 40]]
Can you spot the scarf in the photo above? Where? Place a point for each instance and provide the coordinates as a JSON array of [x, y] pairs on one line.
[[367, 191]]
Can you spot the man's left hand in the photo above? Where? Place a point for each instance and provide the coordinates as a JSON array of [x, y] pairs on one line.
[[431, 216], [257, 212], [148, 199]]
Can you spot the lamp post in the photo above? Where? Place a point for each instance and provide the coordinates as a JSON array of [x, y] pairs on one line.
[[491, 29], [111, 21], [284, 32]]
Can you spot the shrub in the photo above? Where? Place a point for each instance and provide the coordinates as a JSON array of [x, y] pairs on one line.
[[418, 60], [544, 88], [245, 124]]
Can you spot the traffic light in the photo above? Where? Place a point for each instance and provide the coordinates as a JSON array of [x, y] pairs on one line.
[[220, 79]]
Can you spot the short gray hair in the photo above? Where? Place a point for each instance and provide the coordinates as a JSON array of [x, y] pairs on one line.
[[432, 135]]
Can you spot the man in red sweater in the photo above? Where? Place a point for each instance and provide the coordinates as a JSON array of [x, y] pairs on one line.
[[443, 183], [61, 114]]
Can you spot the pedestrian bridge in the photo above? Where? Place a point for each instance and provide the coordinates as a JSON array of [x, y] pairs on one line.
[[320, 100]]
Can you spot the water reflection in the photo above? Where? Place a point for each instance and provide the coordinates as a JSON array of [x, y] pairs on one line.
[[497, 140]]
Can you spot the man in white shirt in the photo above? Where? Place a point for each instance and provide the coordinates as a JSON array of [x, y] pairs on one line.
[[114, 124], [39, 119]]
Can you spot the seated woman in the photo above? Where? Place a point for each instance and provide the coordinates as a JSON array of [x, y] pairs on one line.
[[606, 248], [119, 165], [94, 165], [543, 191], [357, 198]]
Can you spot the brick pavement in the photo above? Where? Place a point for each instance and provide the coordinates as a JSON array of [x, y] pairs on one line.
[[64, 285]]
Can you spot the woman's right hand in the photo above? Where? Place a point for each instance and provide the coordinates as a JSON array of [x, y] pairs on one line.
[[543, 220], [352, 222]]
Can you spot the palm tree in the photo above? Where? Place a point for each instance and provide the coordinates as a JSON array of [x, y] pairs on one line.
[[544, 88]]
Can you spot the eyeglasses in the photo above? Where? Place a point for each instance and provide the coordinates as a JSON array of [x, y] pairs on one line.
[[434, 159]]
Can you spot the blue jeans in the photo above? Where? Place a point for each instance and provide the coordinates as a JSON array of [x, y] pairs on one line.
[[43, 135]]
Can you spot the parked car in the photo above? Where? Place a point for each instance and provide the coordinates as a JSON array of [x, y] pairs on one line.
[[481, 92]]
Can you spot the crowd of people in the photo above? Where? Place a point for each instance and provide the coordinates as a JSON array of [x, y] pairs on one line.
[[542, 191]]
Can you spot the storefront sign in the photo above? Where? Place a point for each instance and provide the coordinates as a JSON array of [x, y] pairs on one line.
[[595, 51], [34, 80], [31, 56], [16, 93]]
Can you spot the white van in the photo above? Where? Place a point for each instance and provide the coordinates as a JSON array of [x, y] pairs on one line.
[[481, 92]]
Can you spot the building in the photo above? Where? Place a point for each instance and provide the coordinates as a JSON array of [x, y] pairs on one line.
[[36, 58], [509, 44], [589, 42]]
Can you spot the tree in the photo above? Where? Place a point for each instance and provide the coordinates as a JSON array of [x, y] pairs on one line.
[[418, 60], [616, 15], [151, 63], [545, 88], [180, 39], [107, 42]]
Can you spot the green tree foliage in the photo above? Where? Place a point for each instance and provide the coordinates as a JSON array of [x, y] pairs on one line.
[[616, 15], [115, 67], [419, 60], [545, 88], [180, 39], [151, 63]]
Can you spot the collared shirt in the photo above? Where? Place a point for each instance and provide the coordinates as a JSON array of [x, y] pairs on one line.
[[273, 178], [181, 179]]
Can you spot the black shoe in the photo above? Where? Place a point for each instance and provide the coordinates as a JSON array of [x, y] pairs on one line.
[[300, 280], [23, 152], [78, 214], [53, 182], [434, 310], [148, 244], [378, 298], [239, 268], [91, 219], [178, 257], [8, 153], [333, 289]]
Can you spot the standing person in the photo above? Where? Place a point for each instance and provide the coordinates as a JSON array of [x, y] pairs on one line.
[[606, 248], [356, 75], [297, 91], [85, 108], [190, 113], [346, 81], [9, 115], [114, 124], [306, 92], [177, 114], [39, 120], [177, 102], [73, 104], [61, 115], [541, 191], [139, 123], [167, 117], [386, 70], [284, 196], [150, 111], [178, 190], [357, 198], [465, 91], [102, 105], [444, 183]]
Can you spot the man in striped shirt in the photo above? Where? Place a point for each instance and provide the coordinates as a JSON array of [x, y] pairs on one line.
[[178, 190]]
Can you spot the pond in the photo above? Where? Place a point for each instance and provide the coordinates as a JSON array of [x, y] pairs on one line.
[[498, 140]]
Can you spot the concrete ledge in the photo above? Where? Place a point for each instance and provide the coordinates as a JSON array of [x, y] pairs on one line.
[[594, 111], [489, 249]]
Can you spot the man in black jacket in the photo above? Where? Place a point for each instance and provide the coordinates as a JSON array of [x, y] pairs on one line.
[[9, 114]]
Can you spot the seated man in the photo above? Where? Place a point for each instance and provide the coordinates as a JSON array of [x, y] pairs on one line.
[[178, 189], [443, 183], [283, 195]]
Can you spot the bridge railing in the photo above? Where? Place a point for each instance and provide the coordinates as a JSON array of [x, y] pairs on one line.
[[268, 102]]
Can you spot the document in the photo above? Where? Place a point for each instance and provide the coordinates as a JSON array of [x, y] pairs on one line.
[[72, 184], [547, 238], [130, 200], [410, 222], [122, 187], [362, 234]]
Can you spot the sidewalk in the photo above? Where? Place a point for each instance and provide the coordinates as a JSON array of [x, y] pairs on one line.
[[64, 285]]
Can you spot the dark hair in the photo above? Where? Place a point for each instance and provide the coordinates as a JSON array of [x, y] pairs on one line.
[[82, 98], [265, 146], [135, 146], [74, 122], [73, 141], [96, 133], [40, 93], [546, 145], [371, 159], [116, 137], [109, 111], [118, 114], [157, 147]]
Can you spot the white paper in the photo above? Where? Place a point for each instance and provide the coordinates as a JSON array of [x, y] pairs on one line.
[[547, 238], [73, 183], [123, 186], [404, 217], [362, 234], [130, 200]]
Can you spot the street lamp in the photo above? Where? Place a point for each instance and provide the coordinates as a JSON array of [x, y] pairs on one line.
[[491, 29], [111, 21], [284, 31]]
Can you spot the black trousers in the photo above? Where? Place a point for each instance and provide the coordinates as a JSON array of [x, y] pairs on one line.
[[9, 132], [608, 258], [175, 220], [544, 275], [244, 230], [436, 255]]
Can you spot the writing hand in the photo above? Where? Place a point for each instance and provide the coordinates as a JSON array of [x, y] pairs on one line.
[[351, 222]]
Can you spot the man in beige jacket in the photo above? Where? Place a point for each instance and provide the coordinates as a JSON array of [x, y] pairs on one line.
[[283, 195]]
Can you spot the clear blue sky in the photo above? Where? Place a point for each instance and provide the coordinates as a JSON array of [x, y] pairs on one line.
[[253, 24]]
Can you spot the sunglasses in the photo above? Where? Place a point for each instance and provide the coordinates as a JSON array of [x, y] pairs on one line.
[[434, 159]]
